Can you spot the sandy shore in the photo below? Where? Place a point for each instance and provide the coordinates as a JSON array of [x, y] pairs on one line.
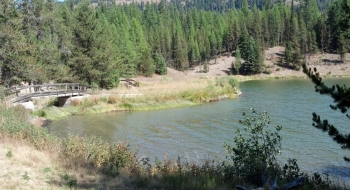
[[326, 64]]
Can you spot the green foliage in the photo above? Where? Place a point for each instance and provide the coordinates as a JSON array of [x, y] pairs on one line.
[[63, 42], [235, 67], [291, 171], [251, 53], [47, 169], [40, 113], [206, 67], [226, 82], [341, 98], [25, 176], [160, 65], [255, 149], [53, 102], [9, 154], [234, 83], [72, 183]]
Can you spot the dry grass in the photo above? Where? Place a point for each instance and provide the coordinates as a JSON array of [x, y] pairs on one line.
[[150, 95], [24, 167], [32, 158]]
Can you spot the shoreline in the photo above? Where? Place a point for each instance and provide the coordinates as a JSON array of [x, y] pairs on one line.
[[163, 96], [95, 104]]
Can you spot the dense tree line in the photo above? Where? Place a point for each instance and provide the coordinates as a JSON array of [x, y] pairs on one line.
[[44, 40]]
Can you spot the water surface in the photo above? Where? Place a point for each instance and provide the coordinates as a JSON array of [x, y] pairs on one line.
[[199, 132]]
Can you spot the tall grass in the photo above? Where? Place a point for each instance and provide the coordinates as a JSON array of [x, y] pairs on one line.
[[152, 97], [77, 151], [117, 162]]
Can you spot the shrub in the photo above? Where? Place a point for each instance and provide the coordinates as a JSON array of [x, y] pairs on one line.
[[226, 82], [267, 71], [40, 113], [234, 83], [255, 152], [112, 100], [103, 99]]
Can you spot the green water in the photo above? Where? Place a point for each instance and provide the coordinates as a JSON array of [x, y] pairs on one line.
[[199, 132]]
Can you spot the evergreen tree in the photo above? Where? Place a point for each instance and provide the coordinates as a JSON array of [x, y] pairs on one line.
[[179, 49], [144, 61], [341, 98], [251, 54], [161, 68], [11, 44], [276, 26], [238, 62], [95, 59]]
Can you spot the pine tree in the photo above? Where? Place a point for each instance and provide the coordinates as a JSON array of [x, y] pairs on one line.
[[276, 25], [238, 62], [144, 61], [161, 68], [245, 8], [179, 48], [251, 54], [11, 44], [95, 58], [341, 98]]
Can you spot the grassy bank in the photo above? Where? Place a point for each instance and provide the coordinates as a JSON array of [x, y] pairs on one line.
[[32, 158], [149, 97], [267, 77]]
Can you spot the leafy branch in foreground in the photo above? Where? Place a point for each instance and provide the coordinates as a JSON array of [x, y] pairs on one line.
[[341, 98], [257, 152]]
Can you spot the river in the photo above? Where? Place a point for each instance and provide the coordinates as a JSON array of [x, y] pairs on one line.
[[199, 132]]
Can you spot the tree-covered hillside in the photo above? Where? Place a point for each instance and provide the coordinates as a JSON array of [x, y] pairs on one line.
[[42, 40]]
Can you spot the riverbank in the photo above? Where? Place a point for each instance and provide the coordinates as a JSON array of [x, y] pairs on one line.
[[192, 87], [32, 158], [150, 96]]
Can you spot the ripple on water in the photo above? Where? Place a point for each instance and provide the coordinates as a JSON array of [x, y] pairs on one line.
[[199, 132]]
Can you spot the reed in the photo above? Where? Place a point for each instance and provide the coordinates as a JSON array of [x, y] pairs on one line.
[[89, 162]]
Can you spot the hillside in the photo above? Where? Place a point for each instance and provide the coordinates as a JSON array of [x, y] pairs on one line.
[[327, 64]]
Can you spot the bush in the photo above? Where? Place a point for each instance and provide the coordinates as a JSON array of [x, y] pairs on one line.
[[40, 113], [234, 83], [267, 71], [112, 100], [227, 82], [255, 152]]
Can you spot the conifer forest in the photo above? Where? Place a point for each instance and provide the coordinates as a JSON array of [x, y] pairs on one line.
[[99, 42]]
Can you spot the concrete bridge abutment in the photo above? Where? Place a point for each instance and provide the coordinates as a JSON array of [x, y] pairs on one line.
[[62, 100]]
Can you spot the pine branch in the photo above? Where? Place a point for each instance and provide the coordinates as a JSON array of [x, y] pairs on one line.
[[343, 140], [341, 97], [340, 94]]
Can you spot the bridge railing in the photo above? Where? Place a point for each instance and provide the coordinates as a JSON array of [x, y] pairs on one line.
[[25, 92]]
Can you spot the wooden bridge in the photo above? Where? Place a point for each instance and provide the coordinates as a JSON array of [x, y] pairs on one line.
[[61, 90]]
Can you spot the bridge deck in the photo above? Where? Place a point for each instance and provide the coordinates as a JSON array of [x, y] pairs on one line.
[[25, 93]]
